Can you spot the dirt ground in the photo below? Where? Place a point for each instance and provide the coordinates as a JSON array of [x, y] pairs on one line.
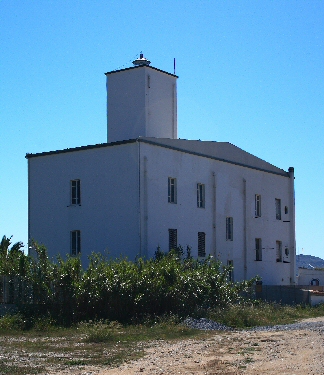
[[228, 353]]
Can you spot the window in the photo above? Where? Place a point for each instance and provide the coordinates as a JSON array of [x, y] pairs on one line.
[[258, 249], [229, 229], [278, 209], [75, 192], [173, 239], [286, 210], [201, 195], [230, 272], [75, 242], [278, 251], [314, 282], [257, 205], [286, 251], [172, 190], [201, 244]]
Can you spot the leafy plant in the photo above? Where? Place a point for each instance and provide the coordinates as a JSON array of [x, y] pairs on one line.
[[61, 291]]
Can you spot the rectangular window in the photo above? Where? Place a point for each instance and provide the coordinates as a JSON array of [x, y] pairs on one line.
[[257, 205], [258, 249], [229, 229], [278, 209], [75, 242], [173, 239], [278, 251], [172, 190], [75, 192], [230, 272], [286, 255], [201, 244], [201, 195]]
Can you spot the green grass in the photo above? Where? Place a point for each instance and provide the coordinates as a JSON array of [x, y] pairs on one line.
[[247, 315], [92, 343], [8, 368]]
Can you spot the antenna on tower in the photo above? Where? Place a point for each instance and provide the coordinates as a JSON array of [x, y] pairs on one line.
[[174, 65]]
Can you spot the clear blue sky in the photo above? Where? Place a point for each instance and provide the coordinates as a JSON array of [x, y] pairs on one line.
[[251, 73]]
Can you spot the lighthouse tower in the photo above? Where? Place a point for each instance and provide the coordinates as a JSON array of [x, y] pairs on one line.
[[141, 102]]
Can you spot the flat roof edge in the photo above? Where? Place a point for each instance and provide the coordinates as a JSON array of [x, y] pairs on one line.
[[283, 173], [79, 148], [100, 145], [141, 66]]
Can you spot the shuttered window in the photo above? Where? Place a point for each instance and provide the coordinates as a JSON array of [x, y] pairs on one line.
[[231, 270], [258, 249], [278, 251], [173, 239], [278, 208], [75, 242], [229, 229], [201, 244]]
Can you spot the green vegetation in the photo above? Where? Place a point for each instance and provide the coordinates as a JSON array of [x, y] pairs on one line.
[[100, 343], [107, 314], [63, 292], [250, 314], [12, 257]]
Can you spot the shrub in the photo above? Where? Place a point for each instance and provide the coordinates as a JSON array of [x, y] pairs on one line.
[[171, 283], [15, 322]]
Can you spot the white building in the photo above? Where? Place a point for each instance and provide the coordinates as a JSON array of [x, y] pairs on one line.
[[145, 188], [314, 277]]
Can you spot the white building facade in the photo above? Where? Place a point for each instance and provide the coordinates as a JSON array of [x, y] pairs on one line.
[[145, 188]]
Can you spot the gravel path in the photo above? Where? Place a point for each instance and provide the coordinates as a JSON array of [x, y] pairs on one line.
[[294, 349], [286, 350]]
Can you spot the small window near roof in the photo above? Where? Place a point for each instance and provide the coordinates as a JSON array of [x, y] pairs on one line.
[[75, 192], [278, 208], [201, 195], [257, 205], [172, 190]]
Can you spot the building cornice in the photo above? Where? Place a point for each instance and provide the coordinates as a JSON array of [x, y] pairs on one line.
[[160, 144], [141, 66]]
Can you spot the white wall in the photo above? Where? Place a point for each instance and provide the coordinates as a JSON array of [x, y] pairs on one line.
[[188, 219], [305, 276], [125, 209], [141, 101], [109, 211]]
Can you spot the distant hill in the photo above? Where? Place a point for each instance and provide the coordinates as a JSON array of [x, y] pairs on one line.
[[309, 261]]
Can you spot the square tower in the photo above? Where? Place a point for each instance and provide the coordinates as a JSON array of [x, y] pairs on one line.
[[141, 102]]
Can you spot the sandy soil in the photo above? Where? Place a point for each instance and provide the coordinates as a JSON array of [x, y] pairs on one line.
[[247, 352]]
